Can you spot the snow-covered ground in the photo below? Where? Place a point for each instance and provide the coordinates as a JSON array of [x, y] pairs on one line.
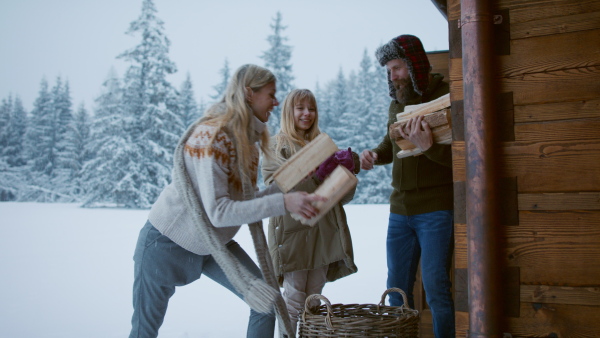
[[67, 272]]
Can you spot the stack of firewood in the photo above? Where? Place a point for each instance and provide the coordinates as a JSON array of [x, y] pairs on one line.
[[436, 113]]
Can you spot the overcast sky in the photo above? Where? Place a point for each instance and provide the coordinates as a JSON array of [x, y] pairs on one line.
[[80, 39]]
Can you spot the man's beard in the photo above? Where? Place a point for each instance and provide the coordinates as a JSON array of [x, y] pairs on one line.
[[405, 91]]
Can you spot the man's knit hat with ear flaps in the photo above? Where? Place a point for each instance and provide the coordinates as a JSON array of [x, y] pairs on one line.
[[409, 49]]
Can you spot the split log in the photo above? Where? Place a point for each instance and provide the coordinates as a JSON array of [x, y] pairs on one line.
[[302, 163], [425, 108], [436, 113], [334, 188], [436, 120]]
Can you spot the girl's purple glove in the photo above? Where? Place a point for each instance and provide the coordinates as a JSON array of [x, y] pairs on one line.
[[341, 157]]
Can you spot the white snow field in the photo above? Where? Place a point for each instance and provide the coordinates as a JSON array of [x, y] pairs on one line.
[[67, 272]]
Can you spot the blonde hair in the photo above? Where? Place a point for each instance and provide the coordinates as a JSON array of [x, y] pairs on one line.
[[288, 135], [234, 114]]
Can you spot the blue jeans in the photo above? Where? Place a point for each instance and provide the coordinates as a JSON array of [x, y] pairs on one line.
[[428, 237], [161, 265]]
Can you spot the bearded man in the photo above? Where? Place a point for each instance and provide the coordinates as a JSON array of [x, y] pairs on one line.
[[421, 204]]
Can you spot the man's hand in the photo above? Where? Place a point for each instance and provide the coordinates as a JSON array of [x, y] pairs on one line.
[[367, 159], [418, 133], [301, 203]]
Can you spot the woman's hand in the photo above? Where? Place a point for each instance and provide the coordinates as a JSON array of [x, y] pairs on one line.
[[301, 203]]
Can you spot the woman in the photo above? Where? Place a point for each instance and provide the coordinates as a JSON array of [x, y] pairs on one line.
[[304, 257], [190, 227]]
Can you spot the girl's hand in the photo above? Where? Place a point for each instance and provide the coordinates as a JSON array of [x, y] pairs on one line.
[[301, 203]]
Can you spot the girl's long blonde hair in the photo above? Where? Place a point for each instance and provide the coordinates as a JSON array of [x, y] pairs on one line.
[[234, 114], [288, 136]]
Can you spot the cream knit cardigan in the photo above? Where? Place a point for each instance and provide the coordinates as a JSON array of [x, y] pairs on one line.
[[202, 208]]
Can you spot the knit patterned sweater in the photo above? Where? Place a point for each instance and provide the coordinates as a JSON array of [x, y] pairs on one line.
[[213, 171]]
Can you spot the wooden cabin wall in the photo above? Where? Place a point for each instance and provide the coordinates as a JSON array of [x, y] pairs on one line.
[[548, 76], [439, 62]]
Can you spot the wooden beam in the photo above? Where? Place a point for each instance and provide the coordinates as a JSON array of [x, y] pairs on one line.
[[556, 247], [545, 320], [560, 201], [527, 10], [561, 295], [557, 86], [555, 166], [564, 130], [557, 111], [561, 248], [555, 25]]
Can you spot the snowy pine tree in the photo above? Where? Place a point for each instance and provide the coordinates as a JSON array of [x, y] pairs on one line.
[[62, 177], [337, 115], [277, 59], [13, 148], [151, 121], [78, 136], [46, 145], [375, 184], [6, 108], [220, 88], [110, 147], [41, 132], [188, 108], [354, 112]]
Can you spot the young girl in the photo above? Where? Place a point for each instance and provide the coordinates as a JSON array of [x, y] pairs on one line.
[[305, 257], [190, 227]]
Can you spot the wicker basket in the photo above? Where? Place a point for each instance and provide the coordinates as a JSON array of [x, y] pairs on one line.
[[358, 320]]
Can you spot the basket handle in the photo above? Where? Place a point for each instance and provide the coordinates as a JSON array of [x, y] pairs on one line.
[[386, 292], [307, 308]]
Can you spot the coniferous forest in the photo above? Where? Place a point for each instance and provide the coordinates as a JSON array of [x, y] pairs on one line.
[[118, 151]]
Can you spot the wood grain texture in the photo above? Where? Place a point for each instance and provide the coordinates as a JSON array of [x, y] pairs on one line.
[[334, 188], [561, 295], [460, 246], [557, 111], [540, 54], [297, 167], [558, 86], [546, 320], [560, 201], [439, 63], [453, 9], [555, 25], [537, 55], [426, 325], [530, 10], [556, 248], [461, 320], [554, 166], [560, 248], [570, 130]]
